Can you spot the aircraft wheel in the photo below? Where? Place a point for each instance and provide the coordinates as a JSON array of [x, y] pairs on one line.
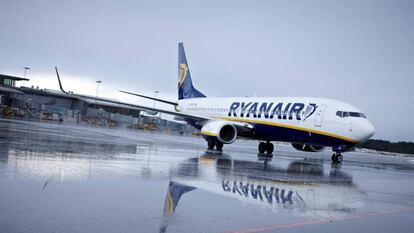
[[334, 158], [339, 158], [219, 146], [262, 147], [210, 145], [269, 147]]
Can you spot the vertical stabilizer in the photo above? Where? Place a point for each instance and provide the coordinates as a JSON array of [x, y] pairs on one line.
[[186, 89]]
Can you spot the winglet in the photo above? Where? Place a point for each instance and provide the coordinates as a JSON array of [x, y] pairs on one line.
[[60, 83]]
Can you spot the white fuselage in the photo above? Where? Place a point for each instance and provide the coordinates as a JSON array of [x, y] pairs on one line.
[[291, 119]]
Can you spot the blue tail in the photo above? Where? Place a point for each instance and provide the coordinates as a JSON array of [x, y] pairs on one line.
[[186, 89]]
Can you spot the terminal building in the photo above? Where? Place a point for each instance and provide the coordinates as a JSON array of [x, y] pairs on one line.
[[51, 105]]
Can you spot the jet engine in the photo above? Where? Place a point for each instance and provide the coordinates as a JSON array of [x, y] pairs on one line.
[[152, 113], [307, 147], [220, 131]]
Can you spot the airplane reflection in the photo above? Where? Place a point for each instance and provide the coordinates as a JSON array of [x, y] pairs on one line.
[[299, 186]]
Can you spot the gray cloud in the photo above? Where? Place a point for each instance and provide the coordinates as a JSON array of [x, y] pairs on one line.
[[360, 52]]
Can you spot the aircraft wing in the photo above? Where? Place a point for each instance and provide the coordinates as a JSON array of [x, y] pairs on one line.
[[240, 126], [92, 98], [145, 108]]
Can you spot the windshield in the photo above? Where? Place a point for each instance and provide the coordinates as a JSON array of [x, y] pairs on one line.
[[350, 114]]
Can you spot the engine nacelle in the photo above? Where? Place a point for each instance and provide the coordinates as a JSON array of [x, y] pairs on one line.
[[219, 131], [307, 147], [152, 113]]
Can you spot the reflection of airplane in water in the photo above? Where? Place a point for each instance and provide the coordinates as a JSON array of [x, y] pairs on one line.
[[300, 186]]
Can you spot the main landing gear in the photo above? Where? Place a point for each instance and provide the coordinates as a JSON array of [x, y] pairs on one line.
[[266, 147], [337, 157], [218, 145]]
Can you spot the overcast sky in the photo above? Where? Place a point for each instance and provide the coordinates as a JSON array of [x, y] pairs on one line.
[[360, 52]]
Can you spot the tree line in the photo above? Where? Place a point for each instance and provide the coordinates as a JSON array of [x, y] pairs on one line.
[[383, 145]]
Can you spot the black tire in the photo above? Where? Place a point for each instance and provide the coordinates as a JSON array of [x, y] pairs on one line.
[[334, 159], [210, 145], [269, 147], [219, 146], [339, 158], [262, 148]]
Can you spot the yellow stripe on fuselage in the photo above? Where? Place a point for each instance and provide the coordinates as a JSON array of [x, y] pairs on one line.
[[208, 133], [288, 126]]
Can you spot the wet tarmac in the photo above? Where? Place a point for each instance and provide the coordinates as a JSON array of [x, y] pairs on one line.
[[59, 178]]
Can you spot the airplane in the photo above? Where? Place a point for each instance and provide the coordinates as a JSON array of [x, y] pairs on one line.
[[308, 123]]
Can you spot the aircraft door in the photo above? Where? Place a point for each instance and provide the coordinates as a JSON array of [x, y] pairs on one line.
[[319, 115]]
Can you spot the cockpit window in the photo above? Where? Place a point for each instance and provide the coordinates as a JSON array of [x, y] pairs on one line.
[[354, 114], [350, 114]]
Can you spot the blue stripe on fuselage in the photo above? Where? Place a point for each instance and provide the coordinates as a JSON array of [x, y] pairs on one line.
[[278, 133]]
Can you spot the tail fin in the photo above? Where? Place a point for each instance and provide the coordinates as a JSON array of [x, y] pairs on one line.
[[174, 193], [186, 89]]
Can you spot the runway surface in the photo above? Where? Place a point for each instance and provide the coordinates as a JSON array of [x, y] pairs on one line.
[[60, 178]]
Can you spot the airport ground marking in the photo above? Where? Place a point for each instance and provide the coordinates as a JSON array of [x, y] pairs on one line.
[[321, 221]]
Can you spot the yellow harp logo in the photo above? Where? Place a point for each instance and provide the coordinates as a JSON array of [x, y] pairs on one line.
[[183, 74]]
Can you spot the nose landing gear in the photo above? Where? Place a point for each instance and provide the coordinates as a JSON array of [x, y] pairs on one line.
[[337, 157]]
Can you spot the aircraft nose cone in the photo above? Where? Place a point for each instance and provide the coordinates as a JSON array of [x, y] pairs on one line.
[[369, 130]]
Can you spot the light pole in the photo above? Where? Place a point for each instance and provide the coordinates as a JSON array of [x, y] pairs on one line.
[[155, 96], [25, 71], [97, 86]]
